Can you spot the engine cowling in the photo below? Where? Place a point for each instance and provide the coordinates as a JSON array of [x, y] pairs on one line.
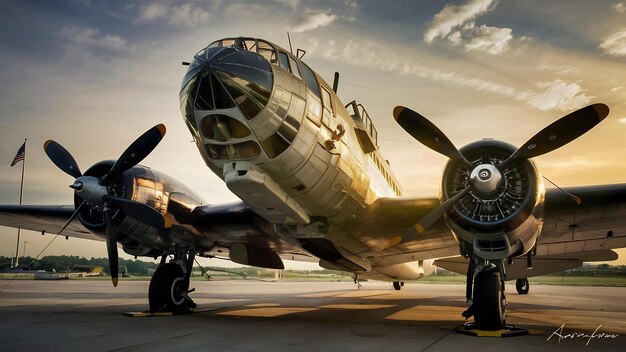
[[147, 186], [502, 214]]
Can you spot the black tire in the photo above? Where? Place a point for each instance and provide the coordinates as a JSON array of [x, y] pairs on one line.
[[397, 285], [489, 310], [166, 288], [522, 286]]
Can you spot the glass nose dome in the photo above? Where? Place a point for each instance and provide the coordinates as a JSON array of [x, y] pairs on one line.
[[225, 77]]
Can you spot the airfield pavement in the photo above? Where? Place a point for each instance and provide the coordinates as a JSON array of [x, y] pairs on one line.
[[86, 315]]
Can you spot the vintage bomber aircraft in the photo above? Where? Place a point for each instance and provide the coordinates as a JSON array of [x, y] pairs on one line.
[[314, 186]]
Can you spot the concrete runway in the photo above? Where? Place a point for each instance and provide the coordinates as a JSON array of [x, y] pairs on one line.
[[83, 315]]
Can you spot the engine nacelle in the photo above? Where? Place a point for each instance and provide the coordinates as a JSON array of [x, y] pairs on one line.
[[149, 187], [502, 215]]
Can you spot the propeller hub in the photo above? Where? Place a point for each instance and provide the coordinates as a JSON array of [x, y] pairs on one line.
[[89, 189], [485, 179]]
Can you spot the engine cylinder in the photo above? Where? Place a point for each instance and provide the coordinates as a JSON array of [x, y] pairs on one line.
[[501, 214]]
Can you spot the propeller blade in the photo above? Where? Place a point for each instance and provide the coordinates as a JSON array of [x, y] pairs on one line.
[[139, 211], [71, 217], [430, 219], [62, 158], [136, 152], [112, 248], [559, 133], [427, 133]]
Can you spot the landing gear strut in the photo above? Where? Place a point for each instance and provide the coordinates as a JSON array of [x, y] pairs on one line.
[[522, 286], [169, 286], [487, 302]]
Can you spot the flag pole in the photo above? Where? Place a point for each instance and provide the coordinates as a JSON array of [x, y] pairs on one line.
[[17, 250]]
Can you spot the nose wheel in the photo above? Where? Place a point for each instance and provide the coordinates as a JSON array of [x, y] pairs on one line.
[[397, 285], [488, 300]]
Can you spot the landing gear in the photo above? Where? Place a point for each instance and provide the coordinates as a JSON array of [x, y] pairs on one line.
[[397, 285], [522, 286], [169, 286], [487, 300]]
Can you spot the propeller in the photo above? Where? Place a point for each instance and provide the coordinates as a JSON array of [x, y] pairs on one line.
[[62, 158], [554, 136], [559, 133], [136, 152], [427, 133], [93, 190]]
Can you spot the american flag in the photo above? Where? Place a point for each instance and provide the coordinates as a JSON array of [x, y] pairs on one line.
[[21, 153]]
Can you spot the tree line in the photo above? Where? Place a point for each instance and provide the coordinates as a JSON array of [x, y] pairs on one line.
[[65, 263]]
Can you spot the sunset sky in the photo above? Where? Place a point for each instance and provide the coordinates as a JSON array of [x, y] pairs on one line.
[[94, 75]]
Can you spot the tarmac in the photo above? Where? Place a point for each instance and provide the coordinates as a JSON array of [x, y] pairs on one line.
[[237, 315]]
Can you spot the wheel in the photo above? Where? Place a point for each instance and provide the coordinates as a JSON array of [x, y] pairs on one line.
[[397, 285], [490, 308], [522, 286], [167, 290]]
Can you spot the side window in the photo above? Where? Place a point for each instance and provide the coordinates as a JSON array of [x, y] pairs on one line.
[[283, 61], [294, 67], [327, 101], [311, 81], [327, 111]]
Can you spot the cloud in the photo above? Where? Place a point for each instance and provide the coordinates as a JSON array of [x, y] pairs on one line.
[[455, 16], [492, 40], [152, 12], [619, 7], [186, 14], [91, 37], [622, 120], [558, 69], [373, 55], [615, 44], [557, 95], [311, 21], [291, 3]]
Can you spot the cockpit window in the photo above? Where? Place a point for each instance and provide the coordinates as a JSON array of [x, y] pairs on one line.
[[294, 67], [260, 47], [228, 42], [283, 61], [267, 51]]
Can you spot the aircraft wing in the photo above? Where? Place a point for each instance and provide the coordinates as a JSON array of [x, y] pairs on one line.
[[44, 218], [220, 226], [572, 234]]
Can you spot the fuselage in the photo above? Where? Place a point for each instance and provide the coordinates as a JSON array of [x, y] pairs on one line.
[[279, 136], [282, 141]]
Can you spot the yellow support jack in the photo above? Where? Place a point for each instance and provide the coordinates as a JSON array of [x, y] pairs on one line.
[[507, 331]]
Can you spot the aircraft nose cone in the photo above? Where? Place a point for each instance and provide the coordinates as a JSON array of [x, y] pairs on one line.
[[231, 77]]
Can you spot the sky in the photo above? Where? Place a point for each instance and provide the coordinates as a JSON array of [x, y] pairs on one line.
[[94, 75]]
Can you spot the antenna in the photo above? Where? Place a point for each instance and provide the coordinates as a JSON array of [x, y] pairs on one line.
[[336, 82], [289, 38]]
